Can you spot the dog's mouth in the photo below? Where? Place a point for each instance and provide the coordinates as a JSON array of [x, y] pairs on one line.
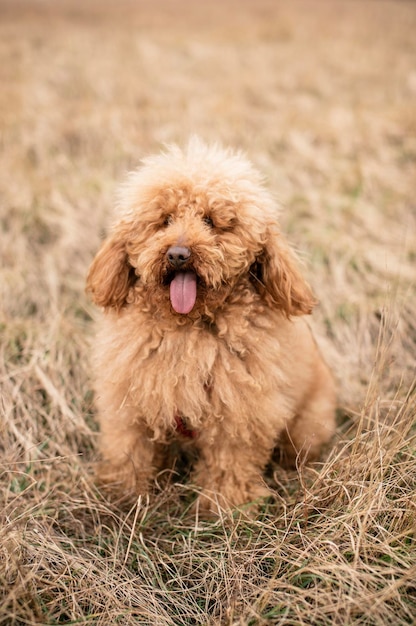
[[182, 290]]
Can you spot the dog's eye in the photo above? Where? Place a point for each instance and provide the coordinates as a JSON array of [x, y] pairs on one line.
[[208, 221], [168, 220]]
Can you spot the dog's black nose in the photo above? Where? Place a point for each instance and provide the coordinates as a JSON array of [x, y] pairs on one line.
[[178, 256]]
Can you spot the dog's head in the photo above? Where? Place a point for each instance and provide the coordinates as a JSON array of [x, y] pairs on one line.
[[192, 226]]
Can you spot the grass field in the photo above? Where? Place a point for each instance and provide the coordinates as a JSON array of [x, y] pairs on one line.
[[321, 95]]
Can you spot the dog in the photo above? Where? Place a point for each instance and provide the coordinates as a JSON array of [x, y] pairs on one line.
[[203, 340]]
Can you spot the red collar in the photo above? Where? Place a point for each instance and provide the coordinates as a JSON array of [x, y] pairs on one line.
[[182, 428]]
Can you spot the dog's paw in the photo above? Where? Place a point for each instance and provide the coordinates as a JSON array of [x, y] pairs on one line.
[[121, 487], [212, 504]]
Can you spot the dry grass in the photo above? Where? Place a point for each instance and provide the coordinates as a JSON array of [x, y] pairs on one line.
[[321, 95]]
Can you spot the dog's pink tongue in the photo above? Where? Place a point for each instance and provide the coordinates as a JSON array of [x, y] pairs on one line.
[[183, 292]]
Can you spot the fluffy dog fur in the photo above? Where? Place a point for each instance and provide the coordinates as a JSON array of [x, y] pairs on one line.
[[231, 377]]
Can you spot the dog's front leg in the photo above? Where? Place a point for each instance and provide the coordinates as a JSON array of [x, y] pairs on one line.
[[230, 473], [128, 459]]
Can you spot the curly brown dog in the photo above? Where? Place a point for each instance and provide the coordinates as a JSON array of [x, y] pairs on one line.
[[203, 337]]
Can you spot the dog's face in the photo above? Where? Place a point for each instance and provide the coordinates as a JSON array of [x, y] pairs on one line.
[[193, 226], [192, 244]]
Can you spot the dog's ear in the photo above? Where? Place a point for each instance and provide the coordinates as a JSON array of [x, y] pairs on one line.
[[111, 275], [278, 278]]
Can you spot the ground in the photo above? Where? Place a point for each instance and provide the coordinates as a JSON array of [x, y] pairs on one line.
[[321, 96]]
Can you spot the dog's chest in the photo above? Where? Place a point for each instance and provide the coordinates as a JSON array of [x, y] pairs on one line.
[[186, 361], [195, 374]]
